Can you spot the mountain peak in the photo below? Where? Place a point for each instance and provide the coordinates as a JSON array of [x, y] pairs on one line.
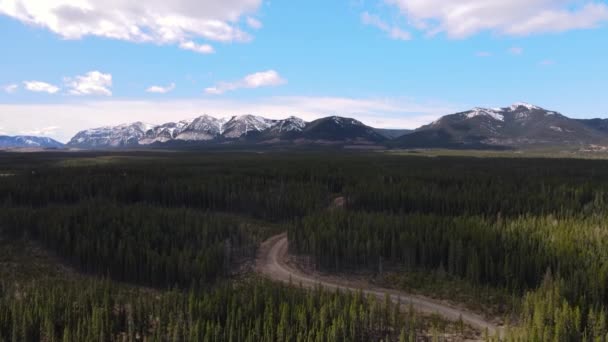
[[519, 105], [492, 113], [342, 121]]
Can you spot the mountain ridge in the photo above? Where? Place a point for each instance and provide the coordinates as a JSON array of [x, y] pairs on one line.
[[520, 125], [28, 141], [241, 128]]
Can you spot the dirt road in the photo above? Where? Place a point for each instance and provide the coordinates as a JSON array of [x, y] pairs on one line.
[[271, 262]]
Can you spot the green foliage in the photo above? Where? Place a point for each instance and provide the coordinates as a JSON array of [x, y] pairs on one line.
[[511, 253], [138, 243], [176, 219], [95, 310]]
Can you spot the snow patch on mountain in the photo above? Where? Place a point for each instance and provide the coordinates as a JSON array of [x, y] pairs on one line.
[[520, 105], [496, 115], [241, 125], [291, 124], [341, 121], [22, 141], [202, 128]]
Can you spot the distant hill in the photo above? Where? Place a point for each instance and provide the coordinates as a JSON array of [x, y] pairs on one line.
[[26, 141], [519, 126], [597, 124], [392, 133]]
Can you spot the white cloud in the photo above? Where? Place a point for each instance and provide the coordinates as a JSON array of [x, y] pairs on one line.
[[483, 54], [45, 131], [463, 18], [161, 89], [92, 83], [40, 87], [393, 31], [268, 78], [516, 50], [200, 48], [254, 23], [76, 116], [157, 21], [10, 88]]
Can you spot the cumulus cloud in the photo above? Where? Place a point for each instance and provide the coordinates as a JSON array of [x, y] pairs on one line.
[[10, 88], [254, 23], [161, 89], [461, 19], [40, 87], [268, 78], [91, 83], [200, 48], [393, 31], [157, 21]]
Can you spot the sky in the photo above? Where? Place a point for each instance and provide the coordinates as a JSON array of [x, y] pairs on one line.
[[68, 65]]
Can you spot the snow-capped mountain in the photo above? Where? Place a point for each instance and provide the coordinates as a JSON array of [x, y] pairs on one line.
[[289, 125], [242, 128], [118, 136], [163, 133], [520, 124], [23, 141], [336, 128], [203, 128], [243, 125]]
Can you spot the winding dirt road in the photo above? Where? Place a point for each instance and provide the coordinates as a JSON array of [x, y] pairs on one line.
[[271, 262]]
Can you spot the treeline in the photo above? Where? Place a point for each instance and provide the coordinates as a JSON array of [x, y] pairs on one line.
[[279, 187], [95, 310], [512, 253], [240, 185], [163, 247]]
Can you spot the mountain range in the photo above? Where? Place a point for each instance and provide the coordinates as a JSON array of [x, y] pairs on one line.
[[244, 129], [518, 126], [26, 141]]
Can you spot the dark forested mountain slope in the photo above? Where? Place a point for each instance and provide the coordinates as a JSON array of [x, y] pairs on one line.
[[597, 124], [336, 128], [520, 125]]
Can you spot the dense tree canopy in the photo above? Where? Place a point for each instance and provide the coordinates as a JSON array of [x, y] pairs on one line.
[[533, 227]]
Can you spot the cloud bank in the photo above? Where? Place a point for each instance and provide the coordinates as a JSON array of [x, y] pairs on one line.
[[464, 18], [156, 21]]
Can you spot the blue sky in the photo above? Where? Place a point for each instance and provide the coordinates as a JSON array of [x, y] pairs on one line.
[[74, 64]]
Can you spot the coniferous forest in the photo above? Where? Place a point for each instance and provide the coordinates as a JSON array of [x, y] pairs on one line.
[[160, 243]]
